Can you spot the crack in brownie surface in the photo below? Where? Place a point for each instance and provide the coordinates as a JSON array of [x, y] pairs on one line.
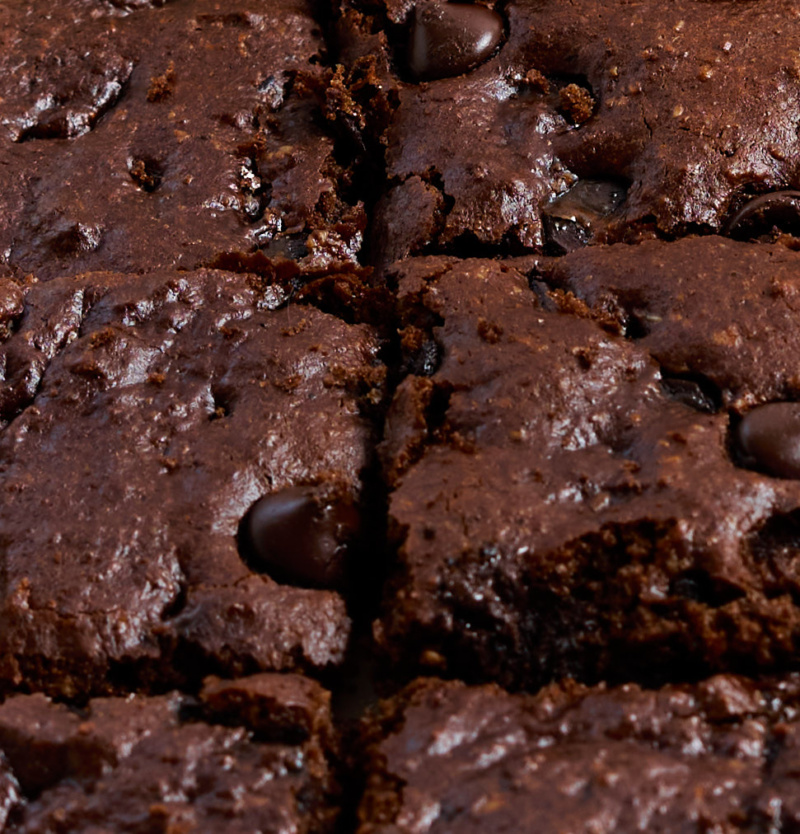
[[166, 135], [169, 404]]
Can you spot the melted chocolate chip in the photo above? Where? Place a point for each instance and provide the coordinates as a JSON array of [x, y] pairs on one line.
[[451, 38], [770, 438], [691, 394], [298, 537], [574, 218], [766, 215]]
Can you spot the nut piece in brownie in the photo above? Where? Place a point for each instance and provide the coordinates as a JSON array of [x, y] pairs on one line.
[[721, 317], [166, 435], [717, 756], [557, 509], [587, 120], [247, 755], [145, 135]]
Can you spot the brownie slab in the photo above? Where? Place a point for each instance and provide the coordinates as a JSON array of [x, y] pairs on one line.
[[559, 508], [571, 124], [695, 103], [137, 136], [247, 755], [145, 416], [717, 756]]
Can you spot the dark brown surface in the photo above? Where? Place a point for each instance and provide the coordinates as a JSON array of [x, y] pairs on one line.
[[719, 312], [719, 756], [147, 414], [558, 509], [590, 462], [468, 158], [689, 107], [248, 755], [148, 135]]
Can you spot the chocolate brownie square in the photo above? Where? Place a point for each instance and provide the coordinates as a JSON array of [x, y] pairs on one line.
[[511, 126], [720, 755], [247, 755], [146, 135], [560, 506], [181, 480]]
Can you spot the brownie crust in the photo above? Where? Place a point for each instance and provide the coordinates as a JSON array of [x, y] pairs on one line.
[[246, 755], [559, 507]]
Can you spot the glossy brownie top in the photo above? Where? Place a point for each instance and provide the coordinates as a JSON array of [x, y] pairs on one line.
[[145, 135], [246, 755], [563, 505], [501, 127], [147, 416], [720, 754]]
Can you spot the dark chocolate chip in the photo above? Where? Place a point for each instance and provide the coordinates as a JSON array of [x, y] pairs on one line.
[[573, 218], [451, 38], [770, 437], [766, 215], [291, 248], [692, 393], [75, 239], [299, 537]]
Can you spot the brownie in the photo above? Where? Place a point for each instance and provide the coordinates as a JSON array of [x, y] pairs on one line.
[[720, 755], [560, 507], [469, 159], [568, 123], [148, 135], [719, 316], [165, 434], [247, 755]]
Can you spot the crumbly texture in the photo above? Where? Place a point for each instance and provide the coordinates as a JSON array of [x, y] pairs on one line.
[[688, 107], [469, 160], [558, 509], [719, 316], [359, 338], [145, 416], [228, 761], [718, 756], [146, 135]]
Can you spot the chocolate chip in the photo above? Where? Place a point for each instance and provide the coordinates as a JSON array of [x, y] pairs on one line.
[[691, 394], [572, 219], [770, 438], [74, 239], [451, 38], [299, 537], [766, 215]]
